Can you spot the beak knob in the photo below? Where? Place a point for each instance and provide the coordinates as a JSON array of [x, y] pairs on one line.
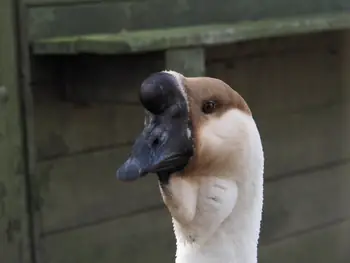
[[158, 92]]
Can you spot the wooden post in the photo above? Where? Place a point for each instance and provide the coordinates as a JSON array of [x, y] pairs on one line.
[[15, 243], [188, 61], [345, 83]]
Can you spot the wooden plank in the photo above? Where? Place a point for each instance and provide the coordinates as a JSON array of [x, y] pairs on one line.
[[345, 69], [148, 237], [298, 141], [114, 16], [253, 4], [327, 41], [25, 69], [14, 228], [322, 197], [67, 202], [83, 190], [272, 7], [289, 81], [189, 61], [63, 119], [68, 2], [118, 78], [282, 83], [68, 130], [138, 41], [328, 244]]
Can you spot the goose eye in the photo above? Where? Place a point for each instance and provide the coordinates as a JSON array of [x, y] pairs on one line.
[[208, 107]]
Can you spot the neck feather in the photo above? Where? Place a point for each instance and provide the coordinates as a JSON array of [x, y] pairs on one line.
[[225, 227], [216, 217]]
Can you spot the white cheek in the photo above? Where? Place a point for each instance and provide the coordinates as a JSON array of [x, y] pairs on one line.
[[225, 133]]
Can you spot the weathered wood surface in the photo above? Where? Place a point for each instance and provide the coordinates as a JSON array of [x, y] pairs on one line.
[[329, 244], [295, 94], [274, 6], [115, 16], [118, 77], [148, 237], [190, 36], [265, 47], [69, 129], [188, 61], [14, 234], [296, 90], [74, 188], [69, 2], [85, 191], [304, 201], [274, 84]]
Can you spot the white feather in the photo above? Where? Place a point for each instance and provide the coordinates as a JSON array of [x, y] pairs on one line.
[[216, 215]]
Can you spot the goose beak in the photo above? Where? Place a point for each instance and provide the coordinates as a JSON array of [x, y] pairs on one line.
[[160, 149], [165, 145]]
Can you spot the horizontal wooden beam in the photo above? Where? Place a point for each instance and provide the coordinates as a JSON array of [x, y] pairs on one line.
[[182, 37]]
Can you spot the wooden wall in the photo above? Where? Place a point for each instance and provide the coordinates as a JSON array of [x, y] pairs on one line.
[[53, 18], [296, 88]]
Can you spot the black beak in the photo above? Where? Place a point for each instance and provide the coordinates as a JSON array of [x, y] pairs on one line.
[[165, 145]]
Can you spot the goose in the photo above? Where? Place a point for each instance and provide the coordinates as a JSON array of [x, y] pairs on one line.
[[201, 140]]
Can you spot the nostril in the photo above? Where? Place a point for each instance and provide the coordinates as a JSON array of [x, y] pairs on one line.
[[156, 142]]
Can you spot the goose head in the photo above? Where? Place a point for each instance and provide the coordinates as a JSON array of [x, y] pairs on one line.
[[202, 142]]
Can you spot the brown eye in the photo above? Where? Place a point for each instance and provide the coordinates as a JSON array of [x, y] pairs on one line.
[[208, 107]]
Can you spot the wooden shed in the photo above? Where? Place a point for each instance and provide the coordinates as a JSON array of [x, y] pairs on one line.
[[70, 71]]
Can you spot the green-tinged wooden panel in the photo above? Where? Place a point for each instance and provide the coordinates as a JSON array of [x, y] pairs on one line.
[[277, 84], [66, 129], [271, 7], [70, 2], [289, 80], [345, 76], [83, 189], [80, 189], [327, 41], [181, 37], [14, 229], [145, 237], [315, 137], [322, 197], [118, 78], [68, 126], [114, 16], [148, 237], [326, 245]]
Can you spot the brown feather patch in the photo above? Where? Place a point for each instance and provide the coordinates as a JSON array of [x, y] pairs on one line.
[[200, 90]]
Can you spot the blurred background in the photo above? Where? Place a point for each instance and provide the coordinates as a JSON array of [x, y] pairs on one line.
[[70, 71]]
